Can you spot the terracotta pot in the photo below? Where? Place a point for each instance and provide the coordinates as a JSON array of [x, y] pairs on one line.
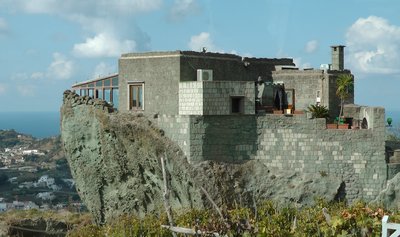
[[343, 126], [331, 126]]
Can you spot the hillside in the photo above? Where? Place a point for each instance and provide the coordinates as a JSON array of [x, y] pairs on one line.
[[33, 172]]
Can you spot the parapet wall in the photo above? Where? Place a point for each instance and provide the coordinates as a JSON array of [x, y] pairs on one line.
[[357, 157]]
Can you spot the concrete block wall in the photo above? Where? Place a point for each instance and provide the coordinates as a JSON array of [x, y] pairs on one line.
[[177, 128], [191, 98], [217, 96], [214, 97]]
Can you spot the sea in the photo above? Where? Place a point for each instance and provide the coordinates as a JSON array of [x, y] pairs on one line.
[[37, 124], [395, 116]]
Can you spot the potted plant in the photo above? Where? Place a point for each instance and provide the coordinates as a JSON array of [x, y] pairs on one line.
[[320, 111]]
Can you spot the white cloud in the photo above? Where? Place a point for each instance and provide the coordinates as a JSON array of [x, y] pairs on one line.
[[311, 46], [183, 8], [87, 7], [26, 90], [103, 45], [197, 42], [374, 46], [103, 69], [300, 64], [60, 68], [106, 22], [19, 76], [37, 75]]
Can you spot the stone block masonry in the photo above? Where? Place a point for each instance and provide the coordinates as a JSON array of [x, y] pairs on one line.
[[215, 97], [177, 128], [357, 157]]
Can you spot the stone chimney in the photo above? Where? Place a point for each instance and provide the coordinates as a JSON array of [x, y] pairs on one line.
[[337, 57]]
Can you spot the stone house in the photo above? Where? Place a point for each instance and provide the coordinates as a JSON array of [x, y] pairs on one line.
[[197, 83], [229, 108]]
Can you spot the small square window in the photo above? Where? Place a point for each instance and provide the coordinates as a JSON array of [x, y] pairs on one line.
[[237, 105]]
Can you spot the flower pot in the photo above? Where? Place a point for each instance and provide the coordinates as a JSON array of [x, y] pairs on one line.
[[331, 126], [343, 126]]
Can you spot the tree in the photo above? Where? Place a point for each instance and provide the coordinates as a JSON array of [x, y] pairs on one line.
[[344, 85], [318, 111]]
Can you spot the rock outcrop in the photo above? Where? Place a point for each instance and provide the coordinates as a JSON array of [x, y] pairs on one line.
[[389, 197], [115, 161]]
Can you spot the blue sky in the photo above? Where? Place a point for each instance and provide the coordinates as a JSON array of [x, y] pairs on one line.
[[47, 45]]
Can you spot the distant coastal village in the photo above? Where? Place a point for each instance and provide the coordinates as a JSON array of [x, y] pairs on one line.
[[30, 178]]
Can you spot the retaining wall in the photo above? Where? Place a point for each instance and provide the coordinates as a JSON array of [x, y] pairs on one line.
[[287, 143]]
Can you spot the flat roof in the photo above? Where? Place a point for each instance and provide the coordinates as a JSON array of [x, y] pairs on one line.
[[215, 55], [94, 80]]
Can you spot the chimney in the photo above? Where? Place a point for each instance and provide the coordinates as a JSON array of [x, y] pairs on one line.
[[337, 57]]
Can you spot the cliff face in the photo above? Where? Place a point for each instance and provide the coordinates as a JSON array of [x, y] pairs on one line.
[[115, 161]]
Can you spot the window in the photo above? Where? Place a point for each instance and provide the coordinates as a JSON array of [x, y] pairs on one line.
[[107, 95], [99, 94], [91, 93], [136, 96], [115, 97], [115, 81], [237, 105]]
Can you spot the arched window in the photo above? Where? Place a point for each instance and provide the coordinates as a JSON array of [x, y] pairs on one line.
[[364, 124]]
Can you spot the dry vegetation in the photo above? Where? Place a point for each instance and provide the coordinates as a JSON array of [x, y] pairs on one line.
[[359, 219]]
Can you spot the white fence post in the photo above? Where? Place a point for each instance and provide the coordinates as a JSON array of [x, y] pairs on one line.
[[389, 226]]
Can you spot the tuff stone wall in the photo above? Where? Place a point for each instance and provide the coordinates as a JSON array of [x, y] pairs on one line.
[[160, 73], [214, 97], [223, 138], [357, 157], [228, 67], [177, 128], [306, 84], [191, 98]]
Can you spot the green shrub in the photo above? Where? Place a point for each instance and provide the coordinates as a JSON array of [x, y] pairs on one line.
[[318, 111]]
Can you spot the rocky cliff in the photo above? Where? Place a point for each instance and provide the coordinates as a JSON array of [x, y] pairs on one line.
[[115, 160]]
